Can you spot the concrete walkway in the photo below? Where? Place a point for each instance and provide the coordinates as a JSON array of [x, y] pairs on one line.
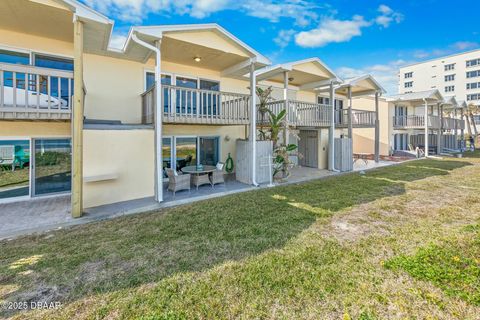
[[53, 213]]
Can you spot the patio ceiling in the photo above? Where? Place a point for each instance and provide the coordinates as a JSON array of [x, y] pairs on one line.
[[53, 19], [217, 49], [305, 74]]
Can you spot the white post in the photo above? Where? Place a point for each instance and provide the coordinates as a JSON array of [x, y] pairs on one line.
[[350, 124], [285, 98], [253, 121], [331, 131], [377, 128], [426, 127], [440, 129], [462, 130], [456, 128], [158, 126]]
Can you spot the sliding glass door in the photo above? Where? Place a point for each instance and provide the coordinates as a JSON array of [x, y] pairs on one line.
[[185, 151], [14, 168], [208, 150], [52, 166]]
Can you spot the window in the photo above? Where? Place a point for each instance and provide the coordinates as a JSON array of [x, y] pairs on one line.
[[52, 166], [449, 88], [326, 101], [408, 75], [13, 57], [409, 84], [14, 168], [52, 62], [472, 63], [476, 119], [150, 79], [450, 77], [473, 85], [473, 97], [473, 74], [450, 66], [210, 99]]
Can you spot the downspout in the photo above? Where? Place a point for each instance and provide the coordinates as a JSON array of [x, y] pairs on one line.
[[157, 118], [426, 127], [253, 120]]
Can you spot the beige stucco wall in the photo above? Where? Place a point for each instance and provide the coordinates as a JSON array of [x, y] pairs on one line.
[[28, 42], [126, 154], [364, 139], [230, 133], [34, 129]]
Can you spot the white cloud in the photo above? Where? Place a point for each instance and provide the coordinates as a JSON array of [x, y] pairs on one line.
[[117, 41], [450, 49], [302, 11], [331, 30], [385, 74], [284, 37], [335, 30]]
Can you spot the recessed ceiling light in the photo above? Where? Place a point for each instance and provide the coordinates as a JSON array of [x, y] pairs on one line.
[[197, 59]]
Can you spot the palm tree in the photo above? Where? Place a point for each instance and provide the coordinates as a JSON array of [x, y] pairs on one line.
[[473, 110], [264, 97]]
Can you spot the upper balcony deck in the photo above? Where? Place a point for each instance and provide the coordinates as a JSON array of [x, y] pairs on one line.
[[34, 93], [306, 114], [196, 106], [434, 122]]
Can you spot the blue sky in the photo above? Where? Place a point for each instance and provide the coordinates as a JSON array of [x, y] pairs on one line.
[[352, 37]]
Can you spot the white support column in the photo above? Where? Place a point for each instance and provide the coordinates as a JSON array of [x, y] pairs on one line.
[[253, 121], [440, 129], [285, 98], [377, 128], [331, 131], [456, 128], [158, 125], [350, 124], [426, 128], [462, 130]]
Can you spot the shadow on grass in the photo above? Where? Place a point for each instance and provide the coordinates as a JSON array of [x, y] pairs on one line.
[[128, 252]]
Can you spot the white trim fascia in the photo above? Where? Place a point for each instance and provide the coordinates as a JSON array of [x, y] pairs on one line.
[[354, 81]]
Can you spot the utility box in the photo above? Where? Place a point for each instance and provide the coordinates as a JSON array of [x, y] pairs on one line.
[[243, 161], [343, 154]]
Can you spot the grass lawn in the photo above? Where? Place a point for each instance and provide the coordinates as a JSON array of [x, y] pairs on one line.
[[397, 243]]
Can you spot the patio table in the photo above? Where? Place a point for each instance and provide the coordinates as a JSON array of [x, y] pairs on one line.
[[199, 175], [361, 156]]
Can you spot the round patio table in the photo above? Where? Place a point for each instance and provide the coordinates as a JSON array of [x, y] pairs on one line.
[[200, 176], [197, 171]]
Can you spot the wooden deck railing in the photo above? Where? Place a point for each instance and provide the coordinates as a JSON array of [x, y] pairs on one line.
[[300, 113], [195, 106], [414, 121], [407, 122], [360, 118], [29, 92]]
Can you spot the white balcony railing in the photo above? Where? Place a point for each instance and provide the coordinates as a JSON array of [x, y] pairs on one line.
[[414, 121], [195, 106], [300, 114], [28, 92], [360, 118]]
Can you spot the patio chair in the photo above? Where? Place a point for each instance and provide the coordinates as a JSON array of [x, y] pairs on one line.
[[201, 179], [177, 182], [217, 176], [7, 156]]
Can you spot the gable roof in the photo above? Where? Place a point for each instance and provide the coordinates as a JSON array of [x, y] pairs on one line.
[[432, 95], [156, 32]]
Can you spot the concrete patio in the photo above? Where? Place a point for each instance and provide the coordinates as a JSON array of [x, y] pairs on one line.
[[52, 213]]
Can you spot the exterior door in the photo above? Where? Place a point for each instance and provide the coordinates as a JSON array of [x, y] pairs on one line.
[[308, 148]]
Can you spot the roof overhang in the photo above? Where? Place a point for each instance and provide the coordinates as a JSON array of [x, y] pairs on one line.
[[430, 96], [53, 19], [217, 48], [306, 74], [365, 85]]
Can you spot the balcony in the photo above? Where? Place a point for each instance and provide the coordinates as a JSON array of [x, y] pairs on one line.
[[300, 114], [33, 93], [418, 122], [195, 106], [360, 118], [305, 114]]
